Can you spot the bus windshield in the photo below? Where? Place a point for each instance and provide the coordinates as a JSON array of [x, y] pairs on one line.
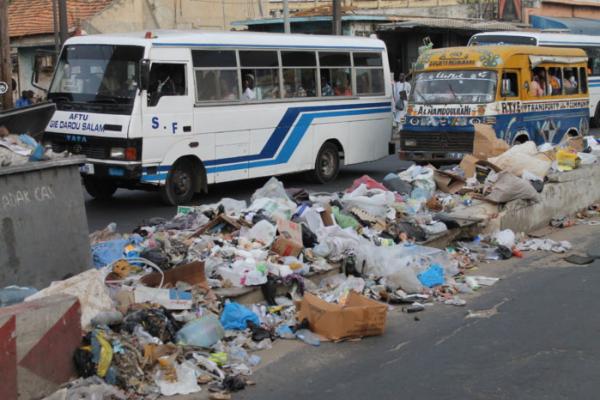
[[485, 40], [454, 87], [99, 74]]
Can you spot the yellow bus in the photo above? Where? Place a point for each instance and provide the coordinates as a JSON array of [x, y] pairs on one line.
[[524, 92]]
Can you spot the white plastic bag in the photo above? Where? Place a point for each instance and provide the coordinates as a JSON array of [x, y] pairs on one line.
[[505, 238], [187, 375], [273, 189], [263, 232], [374, 201]]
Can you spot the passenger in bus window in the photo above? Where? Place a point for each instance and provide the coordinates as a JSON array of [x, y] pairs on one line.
[[248, 86], [570, 82], [326, 88], [227, 89], [362, 84], [535, 88], [342, 86], [554, 81]]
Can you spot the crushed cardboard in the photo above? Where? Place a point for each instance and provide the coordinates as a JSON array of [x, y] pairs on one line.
[[289, 240], [358, 317], [486, 144]]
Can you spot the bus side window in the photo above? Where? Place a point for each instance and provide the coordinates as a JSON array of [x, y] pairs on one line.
[[555, 81], [570, 82], [583, 87], [510, 85], [166, 80]]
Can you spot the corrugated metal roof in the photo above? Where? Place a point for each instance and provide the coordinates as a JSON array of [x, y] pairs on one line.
[[313, 18], [450, 23]]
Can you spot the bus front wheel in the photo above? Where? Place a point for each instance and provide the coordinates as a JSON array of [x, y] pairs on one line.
[[100, 189], [327, 164], [179, 187]]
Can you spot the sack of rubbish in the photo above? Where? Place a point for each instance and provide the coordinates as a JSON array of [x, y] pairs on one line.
[[376, 202], [236, 317], [273, 189], [506, 187], [521, 157], [88, 287], [422, 179]]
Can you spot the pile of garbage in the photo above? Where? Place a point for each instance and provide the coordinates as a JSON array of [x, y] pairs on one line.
[[21, 149], [159, 309], [156, 308]]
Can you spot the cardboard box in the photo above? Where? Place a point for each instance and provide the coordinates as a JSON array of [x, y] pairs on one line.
[[192, 273], [468, 165], [358, 317], [289, 241], [327, 215], [486, 144], [171, 299], [448, 182]]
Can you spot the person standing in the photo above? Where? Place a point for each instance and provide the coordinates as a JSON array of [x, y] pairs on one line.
[[25, 100], [400, 91]]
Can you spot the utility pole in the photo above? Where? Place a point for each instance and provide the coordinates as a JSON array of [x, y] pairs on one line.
[[337, 17], [5, 63], [286, 17], [62, 18]]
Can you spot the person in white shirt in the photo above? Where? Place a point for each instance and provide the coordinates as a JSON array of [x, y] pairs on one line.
[[400, 91], [249, 93]]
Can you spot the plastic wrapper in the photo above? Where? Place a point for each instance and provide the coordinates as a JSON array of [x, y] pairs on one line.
[[187, 374], [376, 202], [273, 189]]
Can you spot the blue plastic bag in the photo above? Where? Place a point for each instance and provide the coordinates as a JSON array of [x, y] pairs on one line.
[[236, 316], [106, 252], [434, 276]]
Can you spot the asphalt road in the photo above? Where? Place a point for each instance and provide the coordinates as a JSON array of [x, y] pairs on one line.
[[129, 208], [537, 341]]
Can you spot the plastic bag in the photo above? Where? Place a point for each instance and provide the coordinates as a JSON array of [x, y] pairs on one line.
[[273, 189], [275, 207], [394, 183], [521, 157], [187, 375], [88, 287], [14, 294], [507, 187], [235, 316], [405, 279], [369, 182], [263, 232], [202, 332], [505, 238], [434, 276], [233, 206], [376, 201]]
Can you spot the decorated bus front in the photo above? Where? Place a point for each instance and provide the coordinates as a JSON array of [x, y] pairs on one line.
[[524, 92]]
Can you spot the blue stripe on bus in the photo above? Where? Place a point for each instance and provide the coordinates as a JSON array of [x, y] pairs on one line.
[[265, 46], [296, 136], [282, 129], [274, 142]]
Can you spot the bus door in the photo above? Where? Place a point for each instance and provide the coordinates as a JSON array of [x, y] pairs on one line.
[[168, 108], [510, 120]]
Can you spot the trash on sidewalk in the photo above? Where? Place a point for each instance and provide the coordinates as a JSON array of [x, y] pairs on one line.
[[357, 317]]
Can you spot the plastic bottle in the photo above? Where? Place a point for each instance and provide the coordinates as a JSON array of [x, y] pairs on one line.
[[308, 337], [202, 332]]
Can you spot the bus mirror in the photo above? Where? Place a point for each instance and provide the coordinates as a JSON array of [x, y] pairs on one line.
[[144, 74], [526, 86]]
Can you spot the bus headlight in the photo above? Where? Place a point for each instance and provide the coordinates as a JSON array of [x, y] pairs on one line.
[[414, 121], [127, 153], [117, 152], [475, 121], [410, 142]]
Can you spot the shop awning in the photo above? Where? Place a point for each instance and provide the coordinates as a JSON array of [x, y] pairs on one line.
[[580, 26]]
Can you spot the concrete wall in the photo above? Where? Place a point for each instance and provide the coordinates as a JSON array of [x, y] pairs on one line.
[[140, 15], [563, 195]]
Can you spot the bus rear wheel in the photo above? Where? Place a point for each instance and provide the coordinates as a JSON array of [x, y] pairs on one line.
[[179, 187], [327, 164], [100, 189]]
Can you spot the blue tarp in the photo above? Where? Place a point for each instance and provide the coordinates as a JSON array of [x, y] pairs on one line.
[[580, 26]]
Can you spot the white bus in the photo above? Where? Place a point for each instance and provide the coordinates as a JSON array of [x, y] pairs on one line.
[[178, 111], [591, 45]]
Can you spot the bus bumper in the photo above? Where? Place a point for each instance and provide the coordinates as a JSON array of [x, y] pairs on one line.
[[120, 172], [440, 146]]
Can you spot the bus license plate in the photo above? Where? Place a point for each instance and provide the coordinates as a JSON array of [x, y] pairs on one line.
[[87, 169]]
